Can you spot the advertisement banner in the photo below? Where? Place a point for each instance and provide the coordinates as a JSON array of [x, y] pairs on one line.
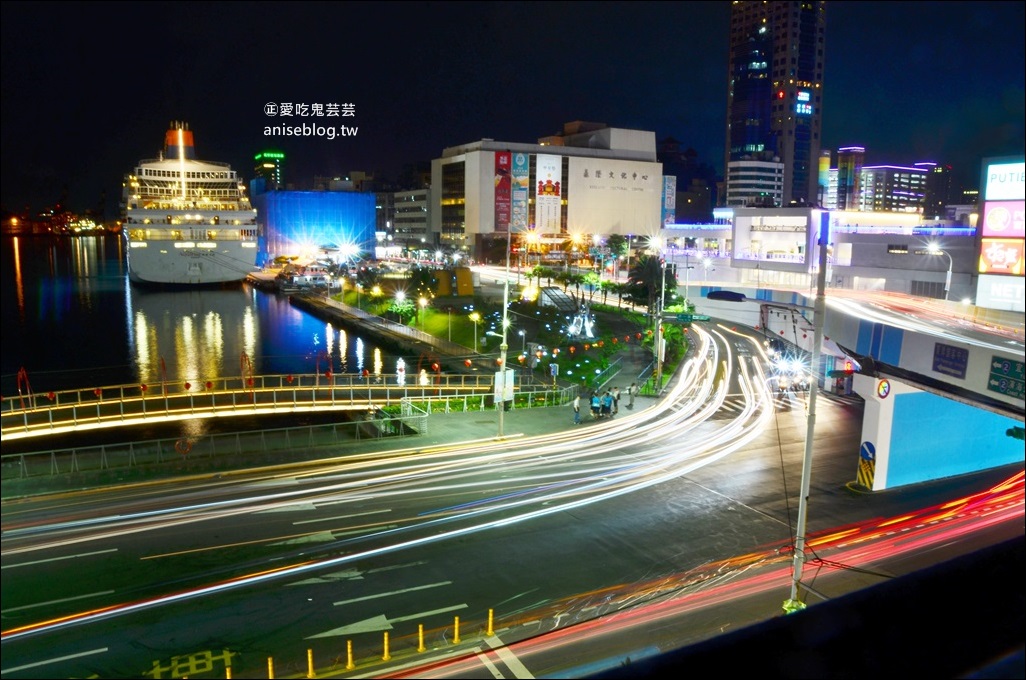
[[521, 190], [548, 196], [1005, 182], [1001, 256], [1004, 219], [669, 199], [503, 188]]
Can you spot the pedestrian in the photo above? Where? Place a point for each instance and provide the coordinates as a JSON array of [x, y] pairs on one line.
[[607, 404], [577, 409], [595, 405], [632, 391], [616, 400]]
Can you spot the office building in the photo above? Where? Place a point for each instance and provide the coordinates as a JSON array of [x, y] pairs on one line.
[[267, 172], [775, 91], [589, 180]]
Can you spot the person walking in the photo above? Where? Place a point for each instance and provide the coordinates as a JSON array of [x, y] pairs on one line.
[[632, 391], [616, 400], [607, 404], [595, 404], [577, 409]]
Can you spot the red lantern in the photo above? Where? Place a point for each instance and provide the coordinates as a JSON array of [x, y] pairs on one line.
[[638, 336], [210, 385], [499, 361], [51, 396], [98, 392], [327, 374], [188, 386], [615, 341], [521, 358], [587, 346], [288, 379], [781, 332], [249, 381], [626, 338], [435, 367], [555, 351], [572, 349], [756, 328], [467, 362], [143, 387]]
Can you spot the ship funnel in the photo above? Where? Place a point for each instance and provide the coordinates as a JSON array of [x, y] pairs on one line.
[[178, 142]]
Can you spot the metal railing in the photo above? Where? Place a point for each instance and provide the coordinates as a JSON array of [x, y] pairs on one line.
[[42, 413]]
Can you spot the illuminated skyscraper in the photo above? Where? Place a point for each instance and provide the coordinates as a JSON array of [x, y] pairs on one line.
[[267, 166], [775, 91]]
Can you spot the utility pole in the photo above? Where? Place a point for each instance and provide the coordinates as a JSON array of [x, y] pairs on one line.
[[794, 603], [505, 328]]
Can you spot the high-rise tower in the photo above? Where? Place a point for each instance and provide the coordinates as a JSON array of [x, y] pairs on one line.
[[775, 90]]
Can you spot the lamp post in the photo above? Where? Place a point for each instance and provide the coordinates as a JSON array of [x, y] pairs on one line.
[[932, 249], [475, 317], [423, 305], [523, 341], [450, 322], [658, 335]]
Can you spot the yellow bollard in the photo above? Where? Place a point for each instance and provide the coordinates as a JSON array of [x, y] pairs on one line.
[[386, 656], [491, 618], [349, 656], [420, 638], [309, 664], [456, 637], [228, 672], [270, 667]]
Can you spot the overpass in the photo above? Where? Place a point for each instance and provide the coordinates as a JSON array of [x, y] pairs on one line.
[[943, 383]]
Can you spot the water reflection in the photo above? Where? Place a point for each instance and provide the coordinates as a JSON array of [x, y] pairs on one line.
[[72, 320]]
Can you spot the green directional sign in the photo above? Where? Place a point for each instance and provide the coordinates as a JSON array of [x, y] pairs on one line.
[[686, 318], [1008, 377], [699, 317]]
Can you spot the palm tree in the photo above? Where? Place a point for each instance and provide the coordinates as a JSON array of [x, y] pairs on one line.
[[647, 280]]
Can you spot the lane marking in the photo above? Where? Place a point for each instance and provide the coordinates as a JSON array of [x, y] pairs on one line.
[[55, 559], [66, 599], [394, 592], [101, 650]]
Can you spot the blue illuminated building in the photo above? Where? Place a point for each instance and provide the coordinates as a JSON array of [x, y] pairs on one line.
[[304, 224]]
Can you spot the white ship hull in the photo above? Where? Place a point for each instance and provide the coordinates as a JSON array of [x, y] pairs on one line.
[[168, 263], [187, 222]]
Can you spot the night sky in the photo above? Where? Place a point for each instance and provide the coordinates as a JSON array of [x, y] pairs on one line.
[[89, 88]]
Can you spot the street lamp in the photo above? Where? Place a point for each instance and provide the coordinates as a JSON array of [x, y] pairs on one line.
[[932, 249], [523, 341], [475, 317], [423, 305], [505, 329]]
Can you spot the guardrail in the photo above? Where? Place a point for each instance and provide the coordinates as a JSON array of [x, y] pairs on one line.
[[43, 413]]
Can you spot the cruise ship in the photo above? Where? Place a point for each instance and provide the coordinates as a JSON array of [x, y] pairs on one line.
[[187, 222]]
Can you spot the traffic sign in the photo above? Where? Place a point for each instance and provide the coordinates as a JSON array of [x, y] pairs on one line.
[[686, 318]]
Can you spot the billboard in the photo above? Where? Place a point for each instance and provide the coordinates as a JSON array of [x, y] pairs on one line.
[[1002, 235], [520, 191], [669, 199], [1004, 219], [548, 196], [503, 189], [615, 196], [1005, 182]]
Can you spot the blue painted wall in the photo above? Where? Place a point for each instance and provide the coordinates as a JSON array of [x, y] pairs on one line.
[[944, 438]]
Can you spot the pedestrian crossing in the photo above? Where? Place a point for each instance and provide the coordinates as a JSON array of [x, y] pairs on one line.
[[787, 401]]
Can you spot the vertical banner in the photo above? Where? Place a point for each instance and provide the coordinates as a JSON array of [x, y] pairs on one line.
[[521, 190], [502, 191], [548, 196], [669, 199]]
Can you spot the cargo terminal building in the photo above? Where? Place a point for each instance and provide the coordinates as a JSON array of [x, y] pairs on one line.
[[589, 181]]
